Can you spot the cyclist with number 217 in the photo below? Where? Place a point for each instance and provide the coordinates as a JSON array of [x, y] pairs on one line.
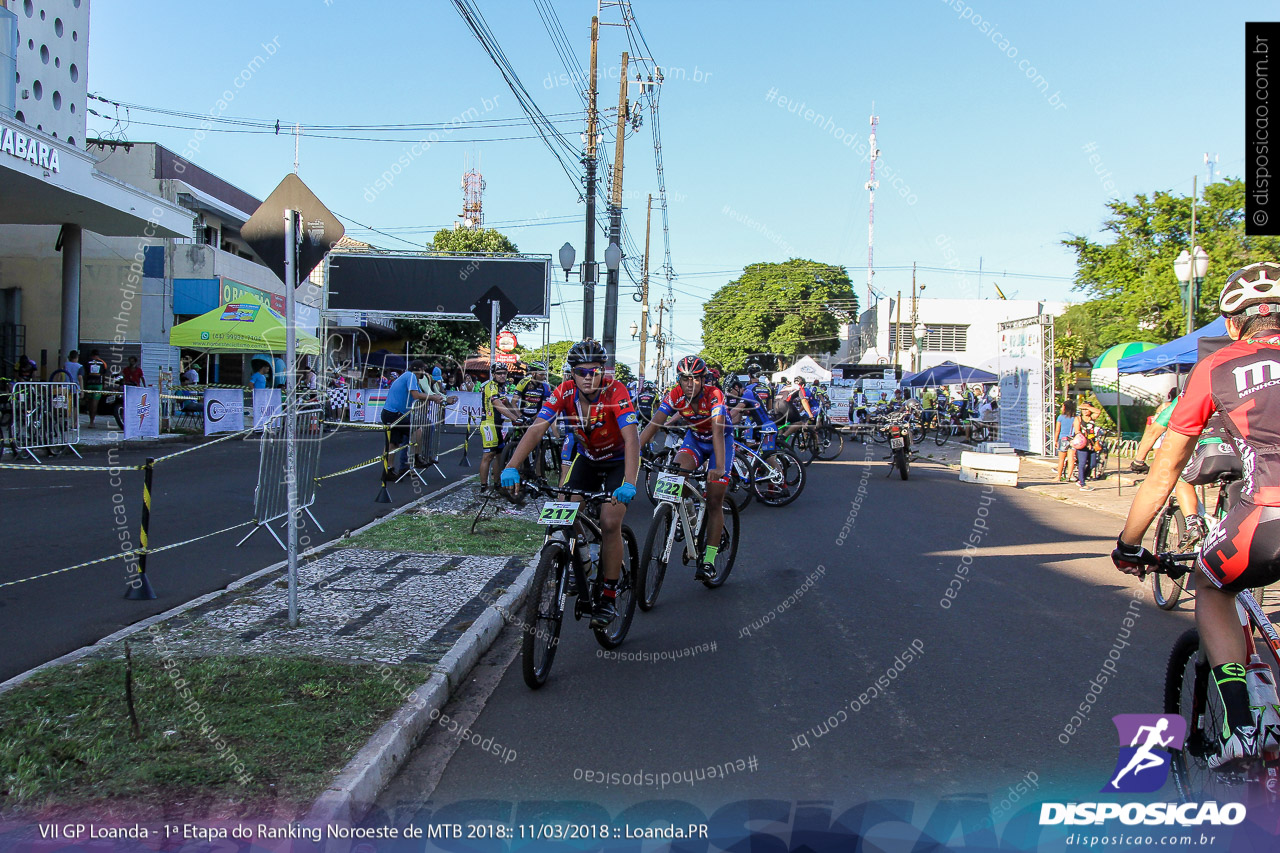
[[607, 455], [1243, 552]]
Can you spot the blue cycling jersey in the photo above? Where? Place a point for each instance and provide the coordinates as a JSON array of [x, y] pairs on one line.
[[754, 396]]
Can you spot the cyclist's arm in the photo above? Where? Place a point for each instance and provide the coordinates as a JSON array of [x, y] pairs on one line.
[[1170, 459], [631, 450], [504, 408], [804, 401]]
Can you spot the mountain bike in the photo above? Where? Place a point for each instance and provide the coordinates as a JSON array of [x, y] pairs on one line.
[[680, 517], [830, 443], [1188, 694], [776, 480], [564, 571]]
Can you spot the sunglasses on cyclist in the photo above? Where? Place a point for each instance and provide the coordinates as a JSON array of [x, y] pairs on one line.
[[586, 372]]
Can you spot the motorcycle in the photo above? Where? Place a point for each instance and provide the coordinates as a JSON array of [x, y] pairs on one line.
[[900, 444]]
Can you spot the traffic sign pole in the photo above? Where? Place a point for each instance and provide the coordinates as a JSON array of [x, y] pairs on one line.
[[291, 403], [493, 335]]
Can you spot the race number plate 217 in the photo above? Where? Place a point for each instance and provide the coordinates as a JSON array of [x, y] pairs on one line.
[[669, 488], [558, 512]]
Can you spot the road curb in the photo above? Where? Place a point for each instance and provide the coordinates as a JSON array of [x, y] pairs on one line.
[[237, 584], [358, 785]]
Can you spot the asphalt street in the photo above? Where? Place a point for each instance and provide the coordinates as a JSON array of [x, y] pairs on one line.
[[832, 665], [58, 519]]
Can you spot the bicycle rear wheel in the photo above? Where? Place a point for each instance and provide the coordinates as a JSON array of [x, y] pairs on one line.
[[1187, 693], [728, 552], [941, 433], [543, 616], [652, 568], [1169, 531], [793, 474], [616, 632]]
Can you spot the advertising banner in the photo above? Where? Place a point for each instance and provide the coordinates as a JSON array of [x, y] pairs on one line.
[[1022, 385], [267, 403], [141, 412], [223, 410], [468, 404]]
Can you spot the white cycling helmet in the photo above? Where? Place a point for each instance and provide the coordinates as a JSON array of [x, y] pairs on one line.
[[1253, 290]]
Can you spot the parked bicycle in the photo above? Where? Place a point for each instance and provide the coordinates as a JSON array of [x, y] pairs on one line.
[[565, 570]]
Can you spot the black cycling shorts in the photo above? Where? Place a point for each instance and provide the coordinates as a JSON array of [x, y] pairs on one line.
[[592, 476], [1211, 461], [400, 432], [796, 415], [1243, 552]]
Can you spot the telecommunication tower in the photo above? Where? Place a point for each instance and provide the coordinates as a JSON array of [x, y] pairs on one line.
[[472, 196], [871, 186]]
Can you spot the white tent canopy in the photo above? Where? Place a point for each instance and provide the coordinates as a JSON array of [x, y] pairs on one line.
[[806, 367]]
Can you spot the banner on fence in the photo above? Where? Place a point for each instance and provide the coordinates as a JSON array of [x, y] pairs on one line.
[[356, 399], [141, 412], [468, 404], [223, 410], [267, 403]]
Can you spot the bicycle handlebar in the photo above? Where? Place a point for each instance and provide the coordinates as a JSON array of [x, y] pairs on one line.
[[1171, 564]]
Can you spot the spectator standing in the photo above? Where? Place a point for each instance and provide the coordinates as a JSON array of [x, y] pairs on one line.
[[132, 374], [259, 378], [1085, 426], [95, 374], [74, 368]]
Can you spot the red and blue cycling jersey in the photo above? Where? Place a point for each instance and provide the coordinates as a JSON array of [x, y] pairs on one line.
[[597, 426], [699, 412]]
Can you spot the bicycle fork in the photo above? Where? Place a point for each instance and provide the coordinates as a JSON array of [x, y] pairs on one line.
[[683, 522]]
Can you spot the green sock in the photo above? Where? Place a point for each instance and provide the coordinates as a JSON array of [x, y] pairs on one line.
[[712, 551], [1234, 692]]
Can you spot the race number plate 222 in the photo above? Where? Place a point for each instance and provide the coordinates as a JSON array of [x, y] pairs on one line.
[[669, 488]]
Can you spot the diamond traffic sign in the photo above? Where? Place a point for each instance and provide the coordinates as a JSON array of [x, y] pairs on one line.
[[318, 231]]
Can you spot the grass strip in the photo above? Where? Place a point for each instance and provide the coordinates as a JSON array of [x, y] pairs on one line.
[[247, 732], [451, 534]]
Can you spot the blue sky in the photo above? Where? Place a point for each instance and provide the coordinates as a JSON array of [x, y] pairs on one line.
[[991, 167]]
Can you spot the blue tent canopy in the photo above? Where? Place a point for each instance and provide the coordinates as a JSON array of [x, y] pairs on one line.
[[948, 373], [387, 360], [1177, 356]]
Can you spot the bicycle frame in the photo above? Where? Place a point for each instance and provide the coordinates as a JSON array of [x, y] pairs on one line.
[[689, 525], [566, 535]]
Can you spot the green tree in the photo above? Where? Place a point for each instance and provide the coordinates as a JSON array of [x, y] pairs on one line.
[[459, 339], [555, 354], [775, 312], [1128, 277]]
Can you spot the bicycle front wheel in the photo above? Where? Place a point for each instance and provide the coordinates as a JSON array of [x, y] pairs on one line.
[[652, 568], [613, 635], [543, 616], [1169, 531], [771, 492], [728, 552], [739, 490], [940, 434], [830, 443]]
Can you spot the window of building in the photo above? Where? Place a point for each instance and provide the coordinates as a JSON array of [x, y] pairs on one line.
[[938, 337]]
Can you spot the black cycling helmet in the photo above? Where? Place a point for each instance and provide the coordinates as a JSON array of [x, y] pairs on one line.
[[648, 386], [536, 366], [734, 381], [587, 352], [691, 365], [498, 367], [754, 370], [1253, 290]]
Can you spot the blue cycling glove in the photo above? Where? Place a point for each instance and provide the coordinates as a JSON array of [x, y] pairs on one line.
[[624, 493], [510, 477]]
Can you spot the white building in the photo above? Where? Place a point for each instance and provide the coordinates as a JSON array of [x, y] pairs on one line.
[[966, 331]]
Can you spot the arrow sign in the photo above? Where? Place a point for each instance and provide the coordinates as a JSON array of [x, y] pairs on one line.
[[506, 308], [264, 232]]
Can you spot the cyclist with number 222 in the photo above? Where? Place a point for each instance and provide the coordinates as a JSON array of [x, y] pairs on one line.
[[702, 406], [1238, 381], [607, 455]]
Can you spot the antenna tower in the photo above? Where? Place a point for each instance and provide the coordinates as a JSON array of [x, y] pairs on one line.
[[871, 186], [472, 196]]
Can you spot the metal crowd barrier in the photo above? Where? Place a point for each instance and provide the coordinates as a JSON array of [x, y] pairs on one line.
[[425, 422], [45, 414], [270, 497]]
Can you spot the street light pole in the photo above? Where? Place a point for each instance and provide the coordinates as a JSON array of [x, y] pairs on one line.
[[644, 291], [615, 223], [589, 282]]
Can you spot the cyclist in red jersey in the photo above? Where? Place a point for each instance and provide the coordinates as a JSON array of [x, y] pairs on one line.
[[702, 407], [599, 413], [1241, 382]]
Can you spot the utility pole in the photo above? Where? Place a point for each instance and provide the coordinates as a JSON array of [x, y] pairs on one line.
[[589, 280], [644, 291], [897, 334], [662, 368], [615, 224], [1192, 296], [913, 316]]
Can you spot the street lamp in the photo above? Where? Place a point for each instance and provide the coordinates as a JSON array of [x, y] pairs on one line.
[[1190, 273], [635, 330]]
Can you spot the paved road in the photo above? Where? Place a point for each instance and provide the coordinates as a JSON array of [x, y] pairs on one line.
[[984, 706], [60, 519]]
